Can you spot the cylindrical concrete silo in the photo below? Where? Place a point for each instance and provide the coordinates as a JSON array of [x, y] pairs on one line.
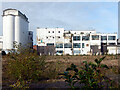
[[17, 29], [8, 31]]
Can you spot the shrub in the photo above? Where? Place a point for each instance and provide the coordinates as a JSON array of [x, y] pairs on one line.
[[24, 67], [90, 74]]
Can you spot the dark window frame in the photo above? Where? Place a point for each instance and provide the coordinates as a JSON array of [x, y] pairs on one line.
[[76, 38], [76, 45]]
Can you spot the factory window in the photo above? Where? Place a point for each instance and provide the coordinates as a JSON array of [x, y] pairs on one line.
[[58, 31], [59, 45], [83, 45], [52, 31], [31, 38], [111, 37], [95, 37], [103, 37], [76, 51], [76, 38], [60, 51], [103, 44], [48, 31], [76, 45], [111, 43], [85, 38], [50, 44], [67, 45]]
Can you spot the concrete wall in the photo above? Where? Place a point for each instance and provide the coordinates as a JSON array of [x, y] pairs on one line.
[[15, 28], [112, 49]]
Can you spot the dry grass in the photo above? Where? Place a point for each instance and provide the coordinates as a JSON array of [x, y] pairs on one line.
[[60, 63]]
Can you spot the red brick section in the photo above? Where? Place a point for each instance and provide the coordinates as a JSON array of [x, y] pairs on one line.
[[35, 47]]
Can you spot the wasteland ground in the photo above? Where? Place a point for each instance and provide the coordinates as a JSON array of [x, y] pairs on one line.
[[64, 61]]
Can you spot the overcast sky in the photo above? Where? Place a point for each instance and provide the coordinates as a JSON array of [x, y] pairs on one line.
[[101, 16]]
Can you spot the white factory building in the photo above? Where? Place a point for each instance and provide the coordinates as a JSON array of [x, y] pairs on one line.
[[15, 29], [86, 42]]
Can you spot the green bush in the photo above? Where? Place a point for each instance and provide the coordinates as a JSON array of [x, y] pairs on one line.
[[92, 75], [24, 67]]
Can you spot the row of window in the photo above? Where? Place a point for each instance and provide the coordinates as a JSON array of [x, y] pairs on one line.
[[67, 45], [94, 37], [74, 51], [53, 37], [109, 38], [53, 31], [86, 38]]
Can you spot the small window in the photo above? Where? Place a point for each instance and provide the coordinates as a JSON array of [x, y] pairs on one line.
[[95, 37], [48, 31], [47, 37], [59, 45], [67, 45], [111, 43], [85, 38], [60, 51], [103, 37], [76, 45], [58, 36], [52, 31], [83, 45], [53, 37], [76, 52], [58, 31], [111, 37], [76, 38], [50, 44]]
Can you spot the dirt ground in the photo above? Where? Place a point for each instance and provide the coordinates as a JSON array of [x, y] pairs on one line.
[[110, 60], [67, 60]]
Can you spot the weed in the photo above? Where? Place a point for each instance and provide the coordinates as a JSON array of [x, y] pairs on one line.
[[90, 74]]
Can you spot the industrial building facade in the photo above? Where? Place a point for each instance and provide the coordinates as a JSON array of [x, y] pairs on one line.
[[86, 42], [15, 29]]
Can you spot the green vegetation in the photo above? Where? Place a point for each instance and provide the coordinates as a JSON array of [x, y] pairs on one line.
[[92, 75], [25, 67]]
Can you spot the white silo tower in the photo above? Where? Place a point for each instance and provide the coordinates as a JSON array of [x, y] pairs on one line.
[[15, 28], [8, 31]]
